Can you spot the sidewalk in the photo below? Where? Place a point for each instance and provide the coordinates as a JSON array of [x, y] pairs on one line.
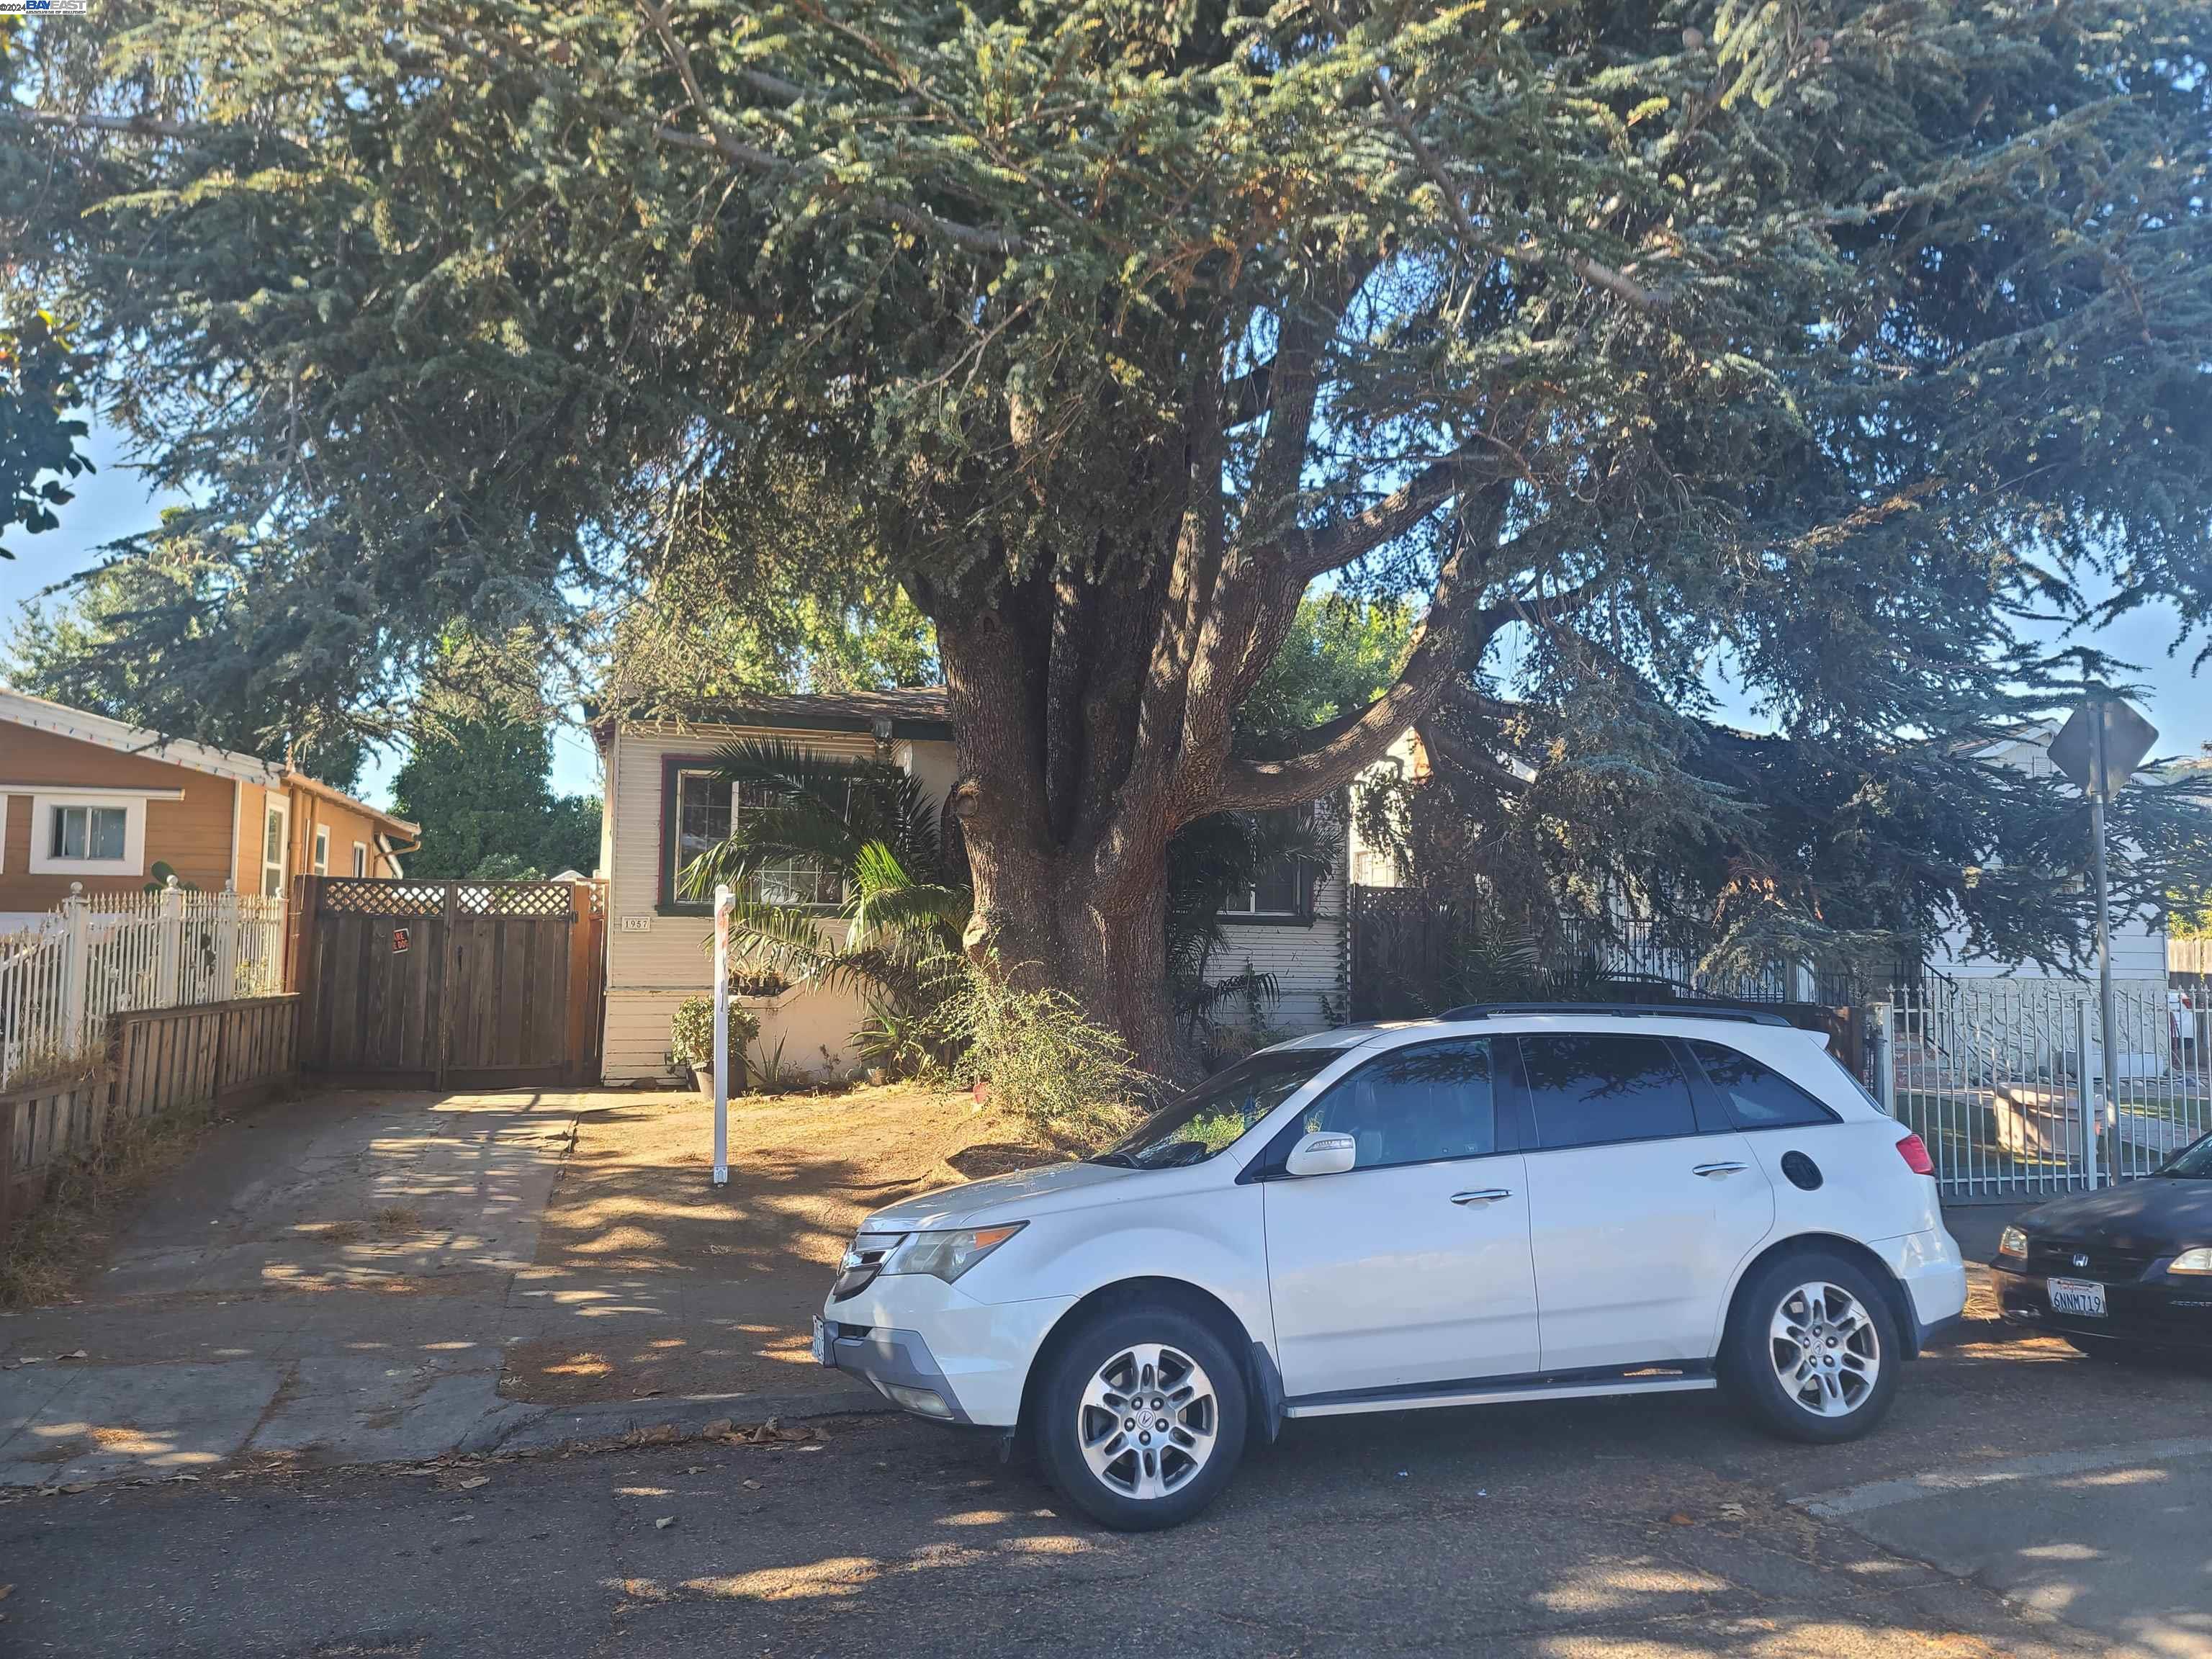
[[368, 1277]]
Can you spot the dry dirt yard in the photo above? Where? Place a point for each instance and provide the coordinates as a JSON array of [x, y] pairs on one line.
[[633, 1215]]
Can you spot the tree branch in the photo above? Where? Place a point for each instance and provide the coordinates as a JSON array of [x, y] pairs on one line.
[[1337, 753], [1340, 543], [1442, 744]]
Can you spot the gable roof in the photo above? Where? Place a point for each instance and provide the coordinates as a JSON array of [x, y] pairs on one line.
[[21, 708], [921, 711]]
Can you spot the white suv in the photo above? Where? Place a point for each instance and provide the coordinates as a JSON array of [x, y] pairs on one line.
[[1510, 1202]]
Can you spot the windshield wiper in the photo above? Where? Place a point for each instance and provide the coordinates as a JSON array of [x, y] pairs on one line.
[[1115, 1160]]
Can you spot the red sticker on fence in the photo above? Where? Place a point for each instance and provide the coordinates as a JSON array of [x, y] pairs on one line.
[[399, 940]]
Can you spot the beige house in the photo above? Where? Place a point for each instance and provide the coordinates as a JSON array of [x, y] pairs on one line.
[[664, 804], [92, 804]]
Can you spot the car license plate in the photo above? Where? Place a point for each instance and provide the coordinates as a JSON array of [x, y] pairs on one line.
[[821, 1355], [2077, 1296]]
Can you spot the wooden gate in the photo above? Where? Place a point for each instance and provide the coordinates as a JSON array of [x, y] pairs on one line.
[[450, 984]]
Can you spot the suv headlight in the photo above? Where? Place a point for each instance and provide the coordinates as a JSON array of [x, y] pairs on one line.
[[2198, 1261], [949, 1254], [2011, 1241]]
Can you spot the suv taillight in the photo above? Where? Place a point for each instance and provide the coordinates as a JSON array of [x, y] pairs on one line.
[[1914, 1151]]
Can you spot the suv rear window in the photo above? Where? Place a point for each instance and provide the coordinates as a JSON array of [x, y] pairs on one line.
[[1758, 1095], [1593, 1088]]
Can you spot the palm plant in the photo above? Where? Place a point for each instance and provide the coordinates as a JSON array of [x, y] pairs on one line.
[[817, 824]]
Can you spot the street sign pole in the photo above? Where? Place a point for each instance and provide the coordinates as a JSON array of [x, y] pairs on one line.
[[2110, 1123], [724, 899], [2099, 748]]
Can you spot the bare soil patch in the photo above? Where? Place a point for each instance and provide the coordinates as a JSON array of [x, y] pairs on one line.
[[634, 1205]]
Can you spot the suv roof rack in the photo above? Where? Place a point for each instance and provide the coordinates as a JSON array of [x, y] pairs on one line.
[[1626, 1010]]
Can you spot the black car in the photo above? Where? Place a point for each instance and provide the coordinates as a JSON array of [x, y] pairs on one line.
[[2126, 1269]]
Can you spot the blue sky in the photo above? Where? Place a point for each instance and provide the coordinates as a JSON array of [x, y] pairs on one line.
[[115, 503]]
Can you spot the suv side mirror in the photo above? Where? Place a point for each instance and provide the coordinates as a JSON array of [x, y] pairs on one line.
[[1324, 1152]]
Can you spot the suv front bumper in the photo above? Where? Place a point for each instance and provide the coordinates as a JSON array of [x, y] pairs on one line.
[[911, 1334]]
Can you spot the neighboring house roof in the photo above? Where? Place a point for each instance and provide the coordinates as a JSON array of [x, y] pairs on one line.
[[20, 708], [912, 712]]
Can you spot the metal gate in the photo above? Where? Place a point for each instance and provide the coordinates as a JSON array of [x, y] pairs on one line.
[[1991, 1075], [451, 984]]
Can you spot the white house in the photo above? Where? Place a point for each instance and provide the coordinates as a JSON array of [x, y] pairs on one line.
[[664, 804]]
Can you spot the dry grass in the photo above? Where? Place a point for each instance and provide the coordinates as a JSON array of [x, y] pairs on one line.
[[48, 1251], [634, 1199]]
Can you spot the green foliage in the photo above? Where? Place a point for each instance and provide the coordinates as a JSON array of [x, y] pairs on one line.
[[39, 385], [1042, 1056], [480, 789], [1340, 654], [1826, 340], [164, 639], [691, 1033]]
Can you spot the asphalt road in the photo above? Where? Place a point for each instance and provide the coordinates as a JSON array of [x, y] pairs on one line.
[[2018, 1501]]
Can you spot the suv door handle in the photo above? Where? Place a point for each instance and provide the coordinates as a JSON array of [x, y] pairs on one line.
[[1487, 1195], [1715, 1171]]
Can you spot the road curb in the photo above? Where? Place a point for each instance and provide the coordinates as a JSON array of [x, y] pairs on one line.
[[551, 1427]]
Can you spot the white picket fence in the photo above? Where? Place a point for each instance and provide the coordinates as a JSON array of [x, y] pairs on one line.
[[92, 957], [2004, 1080]]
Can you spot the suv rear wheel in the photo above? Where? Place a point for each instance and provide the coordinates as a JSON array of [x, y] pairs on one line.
[[1141, 1417], [1813, 1350]]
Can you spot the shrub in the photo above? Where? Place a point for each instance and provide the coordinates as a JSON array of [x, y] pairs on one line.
[[1075, 1082], [691, 1033]]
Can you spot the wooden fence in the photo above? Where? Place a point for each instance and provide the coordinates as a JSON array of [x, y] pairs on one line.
[[158, 1061]]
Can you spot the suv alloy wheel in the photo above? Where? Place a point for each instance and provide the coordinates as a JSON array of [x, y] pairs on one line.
[[1141, 1417], [1813, 1348]]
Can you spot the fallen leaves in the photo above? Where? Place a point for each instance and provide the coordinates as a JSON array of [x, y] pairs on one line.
[[664, 1522]]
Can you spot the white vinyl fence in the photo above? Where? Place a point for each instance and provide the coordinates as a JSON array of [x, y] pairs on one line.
[[1991, 1075], [91, 957]]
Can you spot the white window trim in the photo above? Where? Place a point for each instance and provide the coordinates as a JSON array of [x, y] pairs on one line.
[[280, 810], [360, 858], [322, 849], [133, 802], [5, 799]]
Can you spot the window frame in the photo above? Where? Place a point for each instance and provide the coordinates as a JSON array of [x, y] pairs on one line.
[[361, 859], [322, 859], [1707, 1116], [737, 805], [674, 768], [277, 811], [1309, 879], [1509, 1112], [133, 804]]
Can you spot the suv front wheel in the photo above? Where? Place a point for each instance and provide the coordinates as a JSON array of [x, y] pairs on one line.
[[1141, 1417], [1813, 1350]]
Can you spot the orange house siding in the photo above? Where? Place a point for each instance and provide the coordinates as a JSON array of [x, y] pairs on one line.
[[192, 835]]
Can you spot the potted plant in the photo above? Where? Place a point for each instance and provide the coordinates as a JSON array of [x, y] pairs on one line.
[[691, 1043]]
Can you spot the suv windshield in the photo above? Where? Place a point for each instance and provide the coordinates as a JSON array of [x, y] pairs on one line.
[[1218, 1111], [2192, 1163]]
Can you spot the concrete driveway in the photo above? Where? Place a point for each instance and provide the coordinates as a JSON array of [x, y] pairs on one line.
[[338, 1279]]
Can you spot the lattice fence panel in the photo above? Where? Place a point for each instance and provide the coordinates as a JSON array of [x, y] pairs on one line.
[[351, 895]]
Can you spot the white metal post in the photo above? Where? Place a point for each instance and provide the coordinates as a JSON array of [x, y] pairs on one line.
[[226, 942], [724, 898]]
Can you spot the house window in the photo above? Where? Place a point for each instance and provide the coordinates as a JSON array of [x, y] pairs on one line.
[[792, 880], [275, 820], [360, 858], [88, 833], [322, 849], [1283, 887], [706, 808], [96, 832], [703, 820]]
